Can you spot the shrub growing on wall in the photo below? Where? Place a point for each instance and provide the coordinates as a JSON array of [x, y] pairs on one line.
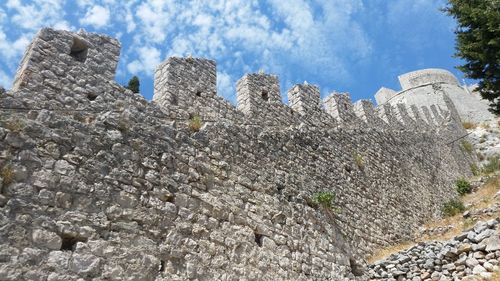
[[324, 199]]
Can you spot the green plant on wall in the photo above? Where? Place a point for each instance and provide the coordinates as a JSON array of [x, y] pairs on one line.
[[14, 125], [195, 123], [325, 199], [463, 186], [469, 125]]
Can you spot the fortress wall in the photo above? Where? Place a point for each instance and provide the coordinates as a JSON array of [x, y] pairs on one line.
[[115, 191], [227, 202]]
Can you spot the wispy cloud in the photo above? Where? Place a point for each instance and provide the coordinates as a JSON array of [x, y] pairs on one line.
[[148, 59], [37, 13], [97, 16], [5, 80]]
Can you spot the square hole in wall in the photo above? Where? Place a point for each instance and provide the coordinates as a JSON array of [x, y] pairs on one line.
[[265, 95], [258, 239], [79, 50]]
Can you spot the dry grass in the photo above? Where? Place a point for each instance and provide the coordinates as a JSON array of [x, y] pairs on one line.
[[7, 175], [384, 253], [495, 276], [469, 125], [478, 200], [484, 196], [195, 123]]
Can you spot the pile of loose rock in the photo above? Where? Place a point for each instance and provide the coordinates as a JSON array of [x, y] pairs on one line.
[[474, 253]]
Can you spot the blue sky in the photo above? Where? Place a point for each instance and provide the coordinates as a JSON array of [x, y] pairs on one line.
[[354, 46]]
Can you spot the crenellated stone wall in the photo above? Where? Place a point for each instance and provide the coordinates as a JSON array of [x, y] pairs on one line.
[[110, 187]]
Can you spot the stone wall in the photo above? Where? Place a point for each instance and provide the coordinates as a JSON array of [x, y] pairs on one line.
[[115, 188]]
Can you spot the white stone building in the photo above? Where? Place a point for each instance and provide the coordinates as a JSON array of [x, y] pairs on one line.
[[426, 87]]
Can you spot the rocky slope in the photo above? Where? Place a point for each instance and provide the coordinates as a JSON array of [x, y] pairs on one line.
[[474, 252]]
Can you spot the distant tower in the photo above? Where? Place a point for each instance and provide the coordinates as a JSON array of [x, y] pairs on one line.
[[258, 92]]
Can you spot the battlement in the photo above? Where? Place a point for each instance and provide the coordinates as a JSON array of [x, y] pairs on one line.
[[257, 92], [187, 86], [60, 59], [77, 63], [179, 81], [425, 77], [304, 99], [384, 95]]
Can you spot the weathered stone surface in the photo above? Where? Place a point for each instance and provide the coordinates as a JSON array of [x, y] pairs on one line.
[[85, 265], [110, 186], [46, 239], [492, 243]]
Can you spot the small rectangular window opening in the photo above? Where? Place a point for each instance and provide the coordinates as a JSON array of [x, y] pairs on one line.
[[79, 50], [265, 95]]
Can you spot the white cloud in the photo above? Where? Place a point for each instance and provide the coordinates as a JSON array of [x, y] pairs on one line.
[[225, 84], [3, 15], [97, 16], [5, 80], [37, 14], [12, 49], [155, 16], [148, 60]]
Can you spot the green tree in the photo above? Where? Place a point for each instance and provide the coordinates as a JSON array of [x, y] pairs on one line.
[[478, 43], [133, 84]]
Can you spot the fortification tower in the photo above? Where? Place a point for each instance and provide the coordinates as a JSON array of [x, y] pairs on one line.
[[304, 99], [69, 63], [427, 88], [258, 92], [339, 105], [182, 81]]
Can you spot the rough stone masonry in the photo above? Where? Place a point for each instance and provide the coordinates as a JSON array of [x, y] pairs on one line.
[[99, 184]]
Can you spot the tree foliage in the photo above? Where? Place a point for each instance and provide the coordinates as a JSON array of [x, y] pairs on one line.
[[478, 43], [133, 84]]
